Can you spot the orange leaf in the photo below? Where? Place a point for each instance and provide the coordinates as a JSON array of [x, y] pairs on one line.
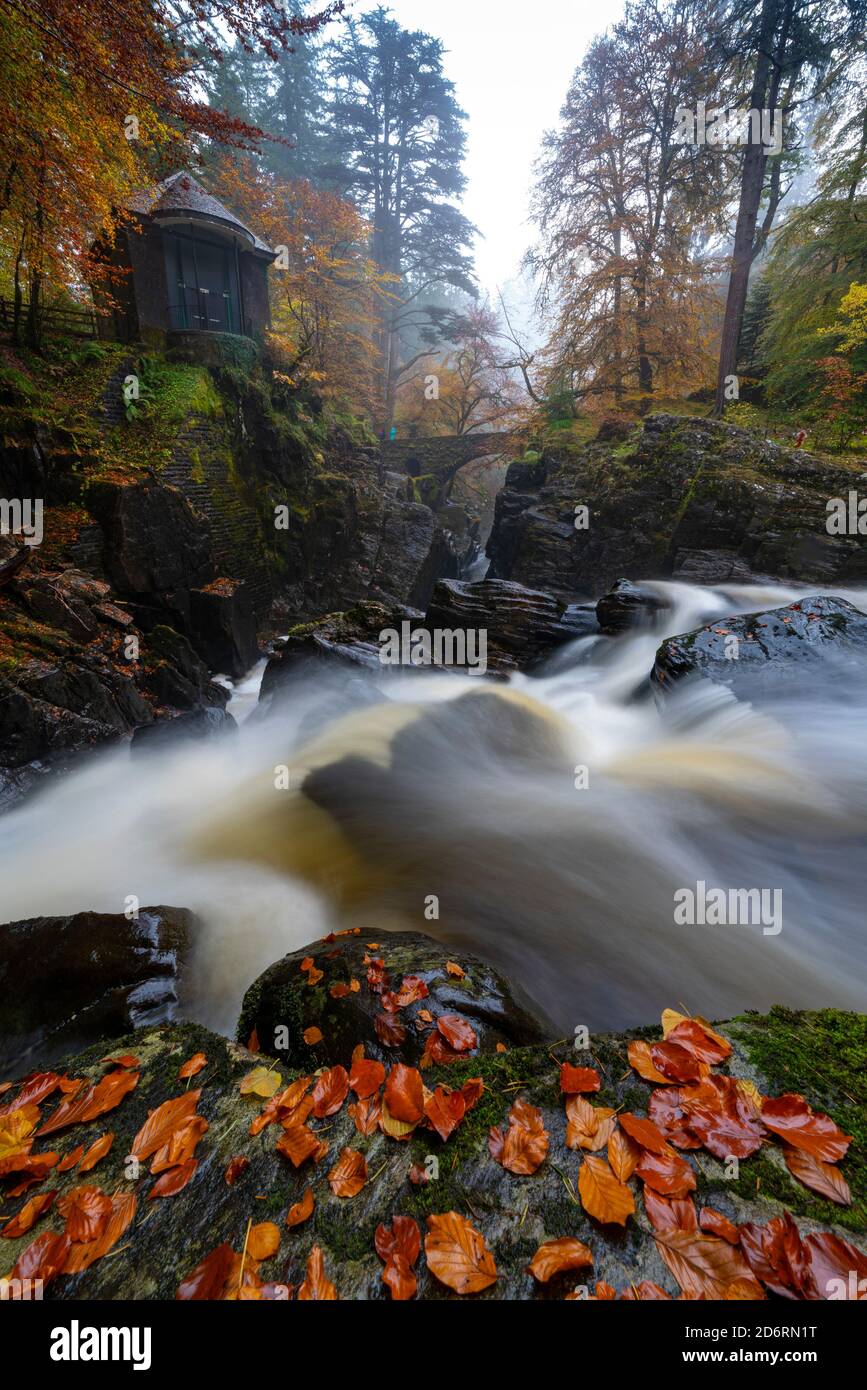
[[525, 1143], [404, 1094], [455, 970], [82, 1256], [669, 1213], [575, 1080], [263, 1240], [174, 1180], [458, 1033], [301, 1211], [666, 1173], [365, 1077], [445, 1110], [28, 1215], [402, 1237], [298, 1143], [349, 1174], [645, 1133], [208, 1279], [330, 1091], [702, 1264], [701, 1041], [641, 1061], [623, 1155], [715, 1224], [162, 1122], [97, 1151], [399, 1279], [312, 1036], [820, 1177], [602, 1195], [316, 1288], [457, 1254], [795, 1121], [181, 1145], [96, 1100], [192, 1067], [557, 1255], [366, 1114], [86, 1211], [69, 1160]]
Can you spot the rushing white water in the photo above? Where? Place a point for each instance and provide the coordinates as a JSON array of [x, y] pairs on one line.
[[422, 785]]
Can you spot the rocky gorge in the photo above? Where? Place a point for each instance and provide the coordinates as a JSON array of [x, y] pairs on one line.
[[270, 540]]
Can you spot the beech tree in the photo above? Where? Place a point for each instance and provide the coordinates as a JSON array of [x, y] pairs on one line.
[[627, 211]]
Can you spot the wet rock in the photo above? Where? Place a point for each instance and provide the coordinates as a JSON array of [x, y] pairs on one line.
[[692, 497], [284, 999], [224, 626], [196, 724], [175, 675], [67, 981], [339, 640], [522, 625], [13, 557], [769, 653], [626, 605], [168, 1238]]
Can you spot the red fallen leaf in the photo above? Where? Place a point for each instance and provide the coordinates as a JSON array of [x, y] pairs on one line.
[[175, 1180], [289, 1106], [86, 1211], [702, 1042], [390, 1031], [418, 1175], [69, 1160], [97, 1151], [104, 1095], [366, 1114], [604, 1292], [795, 1121], [34, 1089], [235, 1167], [555, 1256], [412, 989], [645, 1292], [316, 1288], [181, 1144], [438, 1051], [718, 1225], [404, 1094], [44, 1258], [301, 1211], [472, 1091], [366, 1077], [349, 1174], [578, 1080], [669, 1213], [162, 1122], [666, 1173], [306, 965], [330, 1091], [445, 1110], [820, 1177], [127, 1060], [668, 1112], [778, 1257], [458, 1033], [36, 1166], [402, 1237], [703, 1265], [253, 1042], [298, 1143], [602, 1196], [208, 1279], [838, 1268], [723, 1131], [193, 1066], [645, 1133], [82, 1256], [339, 991], [457, 1254], [675, 1062], [399, 1279], [28, 1215]]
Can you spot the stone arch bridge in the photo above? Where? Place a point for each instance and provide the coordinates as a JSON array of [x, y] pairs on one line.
[[440, 458]]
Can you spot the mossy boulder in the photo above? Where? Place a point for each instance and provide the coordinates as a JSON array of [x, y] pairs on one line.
[[820, 1055], [287, 1000]]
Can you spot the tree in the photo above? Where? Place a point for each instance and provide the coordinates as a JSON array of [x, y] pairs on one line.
[[94, 97], [465, 390], [626, 211], [786, 50], [400, 140]]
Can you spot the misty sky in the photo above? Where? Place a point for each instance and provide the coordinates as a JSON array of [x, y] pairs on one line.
[[511, 63]]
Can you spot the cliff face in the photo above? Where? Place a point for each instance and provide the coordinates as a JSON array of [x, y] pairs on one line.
[[214, 508], [691, 499]]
